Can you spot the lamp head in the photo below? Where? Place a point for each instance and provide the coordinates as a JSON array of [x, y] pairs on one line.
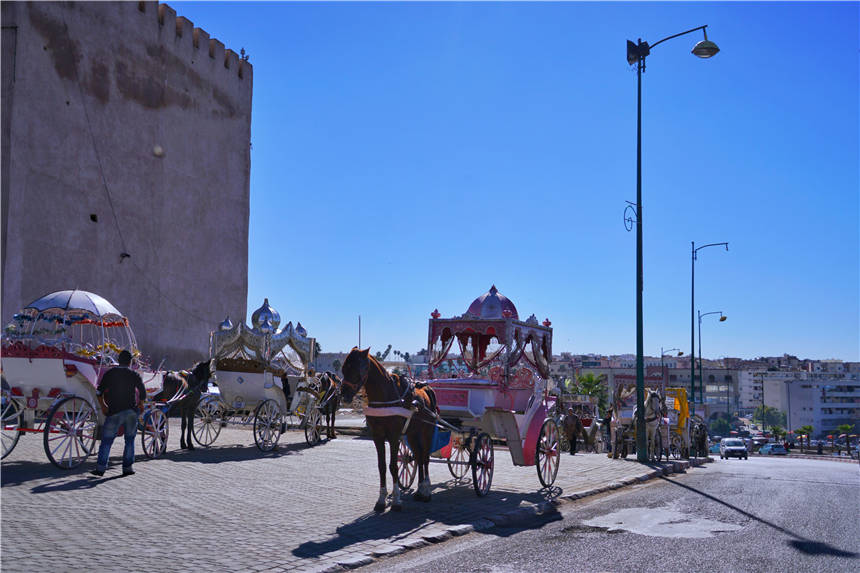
[[635, 52], [723, 318], [706, 49]]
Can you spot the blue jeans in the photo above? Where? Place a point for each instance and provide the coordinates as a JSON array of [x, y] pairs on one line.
[[128, 420]]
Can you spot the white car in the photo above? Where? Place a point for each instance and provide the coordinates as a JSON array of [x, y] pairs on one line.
[[733, 447]]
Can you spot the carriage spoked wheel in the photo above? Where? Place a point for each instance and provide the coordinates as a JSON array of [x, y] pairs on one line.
[[407, 465], [313, 427], [267, 425], [547, 453], [11, 423], [153, 438], [458, 461], [675, 449], [70, 432], [482, 461], [207, 421]]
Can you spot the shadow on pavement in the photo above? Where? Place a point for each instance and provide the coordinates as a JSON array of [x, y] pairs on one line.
[[22, 471], [799, 542], [76, 485], [449, 507]]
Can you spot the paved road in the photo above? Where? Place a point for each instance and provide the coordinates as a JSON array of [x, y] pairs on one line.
[[761, 515], [234, 508]]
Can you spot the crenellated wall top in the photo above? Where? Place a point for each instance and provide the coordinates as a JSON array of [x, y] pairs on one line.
[[191, 38]]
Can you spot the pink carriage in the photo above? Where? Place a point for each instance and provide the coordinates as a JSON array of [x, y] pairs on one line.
[[54, 352], [503, 395]]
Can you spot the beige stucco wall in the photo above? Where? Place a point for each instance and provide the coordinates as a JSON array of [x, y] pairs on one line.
[[89, 90]]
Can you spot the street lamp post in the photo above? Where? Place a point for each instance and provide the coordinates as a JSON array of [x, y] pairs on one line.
[[663, 367], [636, 54], [702, 380], [693, 257]]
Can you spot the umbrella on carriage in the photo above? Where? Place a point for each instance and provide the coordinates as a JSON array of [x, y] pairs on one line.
[[78, 300]]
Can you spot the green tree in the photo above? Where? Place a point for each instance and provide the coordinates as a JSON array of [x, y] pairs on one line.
[[777, 432], [589, 385], [845, 429], [336, 365], [719, 427], [769, 416], [807, 431]]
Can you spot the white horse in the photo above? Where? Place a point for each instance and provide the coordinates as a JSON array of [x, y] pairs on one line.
[[654, 406]]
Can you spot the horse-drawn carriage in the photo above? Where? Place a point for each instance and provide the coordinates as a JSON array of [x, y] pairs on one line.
[[677, 431], [504, 397], [623, 422], [585, 424], [54, 353], [262, 378]]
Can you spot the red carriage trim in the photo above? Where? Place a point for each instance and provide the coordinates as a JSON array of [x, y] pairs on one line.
[[452, 397]]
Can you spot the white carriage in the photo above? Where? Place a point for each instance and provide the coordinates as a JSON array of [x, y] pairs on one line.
[[504, 396], [256, 370], [54, 353]]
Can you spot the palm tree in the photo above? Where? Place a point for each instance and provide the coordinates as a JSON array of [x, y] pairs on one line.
[[844, 429], [777, 432], [591, 385], [807, 431]]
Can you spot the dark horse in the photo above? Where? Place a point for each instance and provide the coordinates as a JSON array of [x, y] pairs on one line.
[[330, 388], [183, 389], [393, 403]]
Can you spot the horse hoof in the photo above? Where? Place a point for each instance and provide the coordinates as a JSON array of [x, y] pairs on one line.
[[190, 447], [397, 507], [379, 507]]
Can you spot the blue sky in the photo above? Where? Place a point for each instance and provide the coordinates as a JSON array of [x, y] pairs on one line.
[[406, 156]]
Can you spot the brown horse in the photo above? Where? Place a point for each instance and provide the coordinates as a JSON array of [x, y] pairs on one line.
[[394, 406], [330, 386], [183, 390]]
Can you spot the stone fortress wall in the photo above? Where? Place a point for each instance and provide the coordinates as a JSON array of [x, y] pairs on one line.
[[126, 167]]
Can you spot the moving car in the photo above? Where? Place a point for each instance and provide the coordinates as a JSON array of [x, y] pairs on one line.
[[733, 447], [714, 449], [773, 450]]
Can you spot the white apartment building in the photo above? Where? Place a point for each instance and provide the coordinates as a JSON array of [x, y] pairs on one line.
[[823, 400]]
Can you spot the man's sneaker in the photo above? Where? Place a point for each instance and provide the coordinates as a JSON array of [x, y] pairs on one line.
[[97, 472], [127, 472]]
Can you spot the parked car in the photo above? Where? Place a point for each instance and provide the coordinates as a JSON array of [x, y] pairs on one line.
[[714, 449], [733, 448], [773, 450]]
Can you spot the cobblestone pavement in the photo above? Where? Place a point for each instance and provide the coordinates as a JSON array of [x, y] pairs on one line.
[[233, 508]]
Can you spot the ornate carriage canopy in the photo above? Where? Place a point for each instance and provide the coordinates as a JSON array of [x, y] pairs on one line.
[[491, 331], [75, 321], [280, 351]]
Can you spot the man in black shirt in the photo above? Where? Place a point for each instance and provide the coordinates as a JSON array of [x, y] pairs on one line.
[[121, 393]]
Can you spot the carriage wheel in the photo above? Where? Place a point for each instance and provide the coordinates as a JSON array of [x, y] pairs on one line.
[[267, 425], [458, 461], [313, 427], [675, 449], [547, 453], [207, 421], [482, 461], [153, 438], [11, 423], [407, 465], [70, 432]]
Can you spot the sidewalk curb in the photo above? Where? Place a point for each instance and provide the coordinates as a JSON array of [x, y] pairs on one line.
[[513, 517], [816, 457]]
